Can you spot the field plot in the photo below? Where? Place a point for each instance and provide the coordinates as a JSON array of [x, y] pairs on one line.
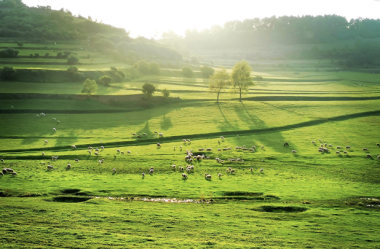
[[269, 184]]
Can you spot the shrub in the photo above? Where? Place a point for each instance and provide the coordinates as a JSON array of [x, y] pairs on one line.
[[165, 93], [8, 73], [8, 53], [105, 80], [142, 66], [72, 59], [188, 72], [207, 71]]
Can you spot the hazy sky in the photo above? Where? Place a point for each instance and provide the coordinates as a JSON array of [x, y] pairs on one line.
[[150, 18]]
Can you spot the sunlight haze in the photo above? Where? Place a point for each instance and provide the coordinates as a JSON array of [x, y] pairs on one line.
[[151, 18]]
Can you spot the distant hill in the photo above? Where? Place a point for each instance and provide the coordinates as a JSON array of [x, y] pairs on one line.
[[42, 24]]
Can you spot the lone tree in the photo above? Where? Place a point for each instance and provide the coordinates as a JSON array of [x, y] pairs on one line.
[[165, 93], [89, 87], [148, 89], [241, 77], [20, 44], [219, 81], [105, 80]]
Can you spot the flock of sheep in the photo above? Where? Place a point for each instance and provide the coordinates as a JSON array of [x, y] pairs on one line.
[[190, 157]]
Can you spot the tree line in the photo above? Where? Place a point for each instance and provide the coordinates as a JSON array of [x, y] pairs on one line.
[[250, 33]]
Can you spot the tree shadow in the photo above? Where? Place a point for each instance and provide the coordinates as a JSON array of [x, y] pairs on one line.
[[166, 123], [224, 125]]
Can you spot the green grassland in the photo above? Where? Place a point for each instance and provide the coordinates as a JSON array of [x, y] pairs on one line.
[[306, 199]]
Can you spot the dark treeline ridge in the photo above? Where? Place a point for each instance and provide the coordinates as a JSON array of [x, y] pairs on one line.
[[43, 25], [283, 30]]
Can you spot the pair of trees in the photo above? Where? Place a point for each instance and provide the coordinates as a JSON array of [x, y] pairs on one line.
[[148, 89], [240, 79]]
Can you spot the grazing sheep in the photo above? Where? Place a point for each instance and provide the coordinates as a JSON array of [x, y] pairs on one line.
[[251, 169], [102, 147], [90, 148], [144, 134], [46, 141], [138, 136], [114, 156], [89, 152], [294, 151], [345, 152], [100, 161], [338, 147], [155, 131], [207, 176], [96, 149], [188, 140], [313, 142], [54, 129], [122, 152], [173, 147], [2, 160], [261, 170], [173, 166], [208, 149], [365, 149], [118, 151], [326, 150], [58, 122], [321, 145], [184, 140], [37, 115], [232, 171], [49, 167], [184, 175], [77, 160], [238, 136], [369, 155], [54, 118], [143, 175], [219, 175], [378, 144], [252, 150], [160, 134], [128, 151], [73, 147], [325, 144], [134, 134], [262, 147], [286, 144], [337, 152], [1, 173], [180, 147], [222, 137], [151, 171], [348, 147], [69, 166], [158, 145], [378, 157], [114, 170], [96, 154], [14, 173], [330, 145]]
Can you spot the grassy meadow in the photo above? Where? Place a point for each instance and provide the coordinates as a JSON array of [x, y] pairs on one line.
[[275, 198]]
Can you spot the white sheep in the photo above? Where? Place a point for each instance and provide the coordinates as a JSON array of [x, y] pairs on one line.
[[49, 167], [46, 141], [69, 166], [338, 147], [114, 170], [337, 152], [294, 151], [345, 152], [76, 160], [102, 147], [96, 154], [73, 147], [261, 170], [128, 151], [54, 129], [43, 153], [100, 161], [118, 151], [160, 134], [219, 175], [207, 176], [143, 174], [365, 149], [184, 175]]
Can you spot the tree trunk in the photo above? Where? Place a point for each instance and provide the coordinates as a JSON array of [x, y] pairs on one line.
[[240, 94], [217, 98]]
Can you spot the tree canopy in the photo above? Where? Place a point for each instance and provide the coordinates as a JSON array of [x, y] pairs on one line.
[[148, 89], [89, 87], [219, 81], [241, 77]]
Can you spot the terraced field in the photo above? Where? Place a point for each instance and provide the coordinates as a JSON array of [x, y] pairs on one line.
[[275, 198]]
